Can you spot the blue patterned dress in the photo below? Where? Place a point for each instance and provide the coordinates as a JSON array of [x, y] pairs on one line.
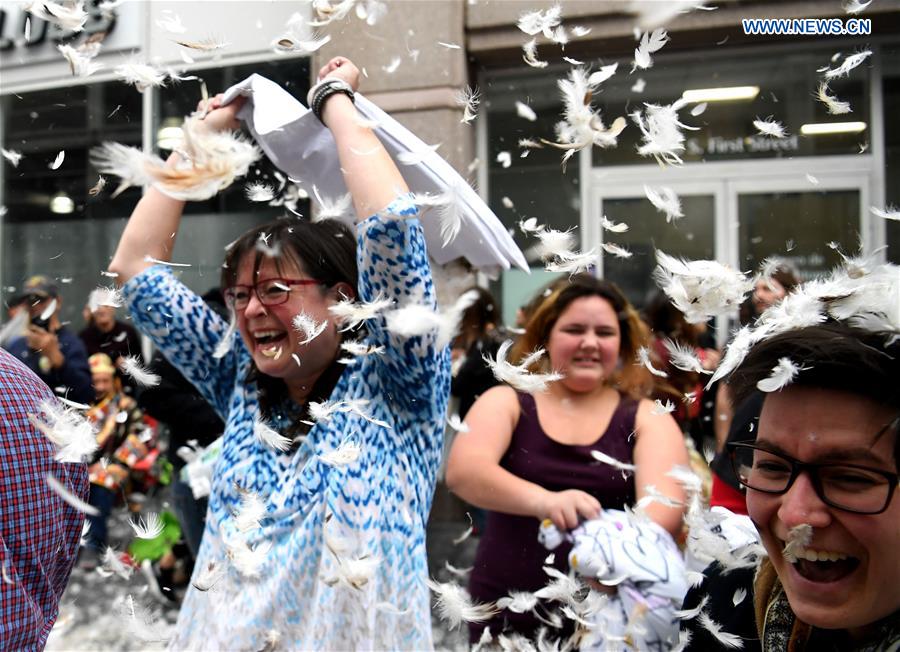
[[323, 523]]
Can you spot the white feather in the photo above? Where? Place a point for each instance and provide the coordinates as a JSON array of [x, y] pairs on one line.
[[269, 437], [799, 537], [147, 527], [613, 227], [525, 111], [666, 201], [250, 512], [782, 375], [141, 75], [58, 161], [643, 358], [661, 132], [616, 250], [739, 596], [529, 55], [59, 489], [848, 64], [259, 192], [308, 327], [572, 263], [347, 453], [832, 103], [468, 98], [770, 127], [105, 296], [70, 17], [224, 344], [728, 640], [855, 6], [650, 42], [684, 357], [700, 109], [457, 424], [140, 623], [332, 208], [208, 576], [249, 561], [72, 434], [702, 288], [351, 314], [688, 614], [81, 61], [518, 376], [138, 372], [416, 157], [111, 564], [291, 43], [605, 72], [660, 408], [12, 156], [455, 607], [603, 458], [889, 212], [540, 21], [519, 602]]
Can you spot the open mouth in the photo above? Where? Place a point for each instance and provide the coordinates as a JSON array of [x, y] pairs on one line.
[[270, 342], [823, 566]]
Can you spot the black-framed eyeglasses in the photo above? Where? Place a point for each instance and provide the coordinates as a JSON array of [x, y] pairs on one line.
[[270, 292], [850, 487]]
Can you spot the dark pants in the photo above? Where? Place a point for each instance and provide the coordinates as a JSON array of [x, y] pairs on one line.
[[103, 499], [191, 513]]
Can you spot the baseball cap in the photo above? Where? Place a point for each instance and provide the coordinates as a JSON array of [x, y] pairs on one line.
[[38, 286]]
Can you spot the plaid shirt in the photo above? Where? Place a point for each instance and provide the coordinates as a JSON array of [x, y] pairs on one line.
[[39, 533]]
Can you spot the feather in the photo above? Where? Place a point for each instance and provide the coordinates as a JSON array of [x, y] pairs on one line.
[[208, 44], [360, 348], [526, 112], [171, 22], [224, 345], [700, 109], [540, 21], [650, 15], [294, 43], [688, 614], [73, 436], [250, 512], [105, 296], [98, 187], [70, 17], [661, 132], [12, 156], [616, 250], [58, 161], [580, 30], [684, 357], [639, 85], [415, 158], [59, 489], [259, 192], [855, 6], [518, 376], [738, 596], [847, 65], [889, 212], [112, 564], [248, 561], [653, 495], [782, 375], [80, 59], [347, 453], [702, 288], [605, 72], [140, 623], [660, 408], [799, 537], [461, 573], [504, 158], [450, 205], [207, 577], [138, 372], [519, 602], [613, 227], [727, 640], [686, 477], [650, 42], [666, 201], [455, 607], [582, 125], [268, 437], [392, 66], [457, 424], [332, 208], [603, 458], [553, 243], [643, 358], [148, 527], [529, 54], [831, 102], [466, 533], [351, 314], [141, 75], [307, 326], [562, 588], [468, 98], [572, 263], [770, 127]]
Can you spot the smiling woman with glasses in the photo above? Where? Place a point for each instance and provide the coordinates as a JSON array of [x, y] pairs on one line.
[[363, 477], [821, 483]]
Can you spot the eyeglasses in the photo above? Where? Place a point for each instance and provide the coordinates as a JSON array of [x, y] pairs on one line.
[[270, 292], [849, 487]]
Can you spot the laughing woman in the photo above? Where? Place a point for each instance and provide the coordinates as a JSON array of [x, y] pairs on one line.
[[821, 481], [334, 556]]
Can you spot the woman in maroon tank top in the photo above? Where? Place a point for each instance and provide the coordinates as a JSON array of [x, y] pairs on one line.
[[527, 457]]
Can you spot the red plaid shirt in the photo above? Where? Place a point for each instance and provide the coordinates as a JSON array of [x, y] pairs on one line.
[[39, 533]]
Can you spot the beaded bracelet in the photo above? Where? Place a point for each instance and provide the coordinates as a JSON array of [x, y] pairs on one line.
[[320, 93]]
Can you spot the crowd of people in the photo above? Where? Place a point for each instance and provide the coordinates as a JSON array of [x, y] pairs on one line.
[[588, 471]]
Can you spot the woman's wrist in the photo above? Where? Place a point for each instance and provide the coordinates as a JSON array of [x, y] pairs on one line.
[[336, 109]]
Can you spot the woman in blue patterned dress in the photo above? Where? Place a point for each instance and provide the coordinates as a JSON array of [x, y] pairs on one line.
[[322, 545]]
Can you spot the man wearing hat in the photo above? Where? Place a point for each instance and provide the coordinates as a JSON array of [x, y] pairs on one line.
[[48, 348]]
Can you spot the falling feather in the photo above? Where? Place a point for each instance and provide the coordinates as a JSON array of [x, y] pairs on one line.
[[665, 201], [782, 375], [361, 348], [468, 98], [73, 436], [224, 344], [702, 288], [684, 357], [519, 602], [581, 125], [12, 156], [605, 72], [553, 243], [457, 424], [525, 111], [660, 408], [269, 437], [293, 42], [831, 102], [347, 453], [391, 68], [855, 6], [504, 158], [251, 511], [332, 208], [59, 489], [700, 109], [141, 75], [455, 607], [616, 250], [112, 564], [466, 533], [249, 560], [415, 158], [70, 16], [661, 132], [171, 22], [643, 358], [133, 367], [147, 527], [739, 596], [688, 614], [259, 192], [529, 54], [770, 127], [531, 226], [847, 65], [98, 187], [889, 212], [81, 60], [650, 42], [105, 296], [208, 44], [799, 537], [450, 206], [518, 376], [603, 458], [540, 21], [58, 161], [207, 578], [728, 640], [461, 573], [308, 327], [572, 263], [613, 227], [351, 314]]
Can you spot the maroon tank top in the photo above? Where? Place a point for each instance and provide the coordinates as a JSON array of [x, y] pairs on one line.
[[509, 556]]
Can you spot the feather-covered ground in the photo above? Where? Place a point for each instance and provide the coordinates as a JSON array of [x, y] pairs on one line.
[[91, 613]]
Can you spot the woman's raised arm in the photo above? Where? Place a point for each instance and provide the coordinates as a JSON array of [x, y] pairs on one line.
[[151, 229], [369, 172]]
